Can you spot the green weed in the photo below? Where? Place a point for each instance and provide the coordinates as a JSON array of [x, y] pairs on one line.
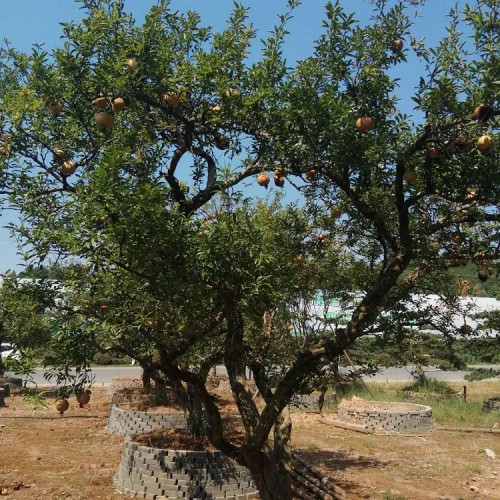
[[310, 446], [474, 468], [387, 495], [368, 443], [456, 411]]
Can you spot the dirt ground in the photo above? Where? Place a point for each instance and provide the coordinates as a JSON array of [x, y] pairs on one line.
[[52, 457], [430, 465]]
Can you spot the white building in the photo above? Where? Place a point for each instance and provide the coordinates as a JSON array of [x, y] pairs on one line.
[[339, 311]]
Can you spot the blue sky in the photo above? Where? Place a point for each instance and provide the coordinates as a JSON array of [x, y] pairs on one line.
[[25, 22]]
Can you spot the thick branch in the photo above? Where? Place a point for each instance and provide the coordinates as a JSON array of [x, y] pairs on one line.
[[211, 166], [214, 430], [234, 356], [179, 195], [364, 208], [258, 364], [188, 207], [369, 308], [305, 363]]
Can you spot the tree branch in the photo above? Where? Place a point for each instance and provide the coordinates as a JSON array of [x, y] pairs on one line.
[[233, 358], [364, 208], [197, 201], [179, 195]]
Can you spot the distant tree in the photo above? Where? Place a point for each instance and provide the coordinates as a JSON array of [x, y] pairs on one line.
[[23, 322]]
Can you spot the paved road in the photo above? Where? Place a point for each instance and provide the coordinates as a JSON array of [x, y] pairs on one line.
[[104, 375]]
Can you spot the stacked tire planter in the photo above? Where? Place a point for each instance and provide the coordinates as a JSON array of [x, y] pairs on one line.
[[492, 403], [389, 417], [155, 473], [130, 423], [309, 402]]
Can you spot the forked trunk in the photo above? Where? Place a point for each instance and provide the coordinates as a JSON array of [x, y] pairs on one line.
[[272, 478], [268, 464], [270, 467]]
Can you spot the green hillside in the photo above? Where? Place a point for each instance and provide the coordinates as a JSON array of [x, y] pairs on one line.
[[490, 288]]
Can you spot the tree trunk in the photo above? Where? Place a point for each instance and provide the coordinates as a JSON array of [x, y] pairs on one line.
[[419, 373], [321, 400], [272, 479], [147, 374], [282, 455], [195, 419], [160, 393], [209, 419], [146, 380]]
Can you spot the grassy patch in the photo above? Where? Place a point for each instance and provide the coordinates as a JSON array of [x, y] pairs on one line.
[[473, 468], [387, 495], [310, 446], [458, 412], [368, 444], [440, 470], [450, 411], [424, 385]]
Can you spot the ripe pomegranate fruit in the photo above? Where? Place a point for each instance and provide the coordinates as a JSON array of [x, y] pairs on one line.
[[62, 405], [117, 104], [433, 152], [83, 398], [100, 101], [279, 180], [222, 142], [263, 180], [485, 143], [364, 124], [311, 174], [68, 167], [484, 111], [103, 120], [56, 107]]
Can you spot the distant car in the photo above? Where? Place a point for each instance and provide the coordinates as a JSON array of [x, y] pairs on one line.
[[8, 350]]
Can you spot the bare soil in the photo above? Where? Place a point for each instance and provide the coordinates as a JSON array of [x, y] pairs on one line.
[[53, 457], [430, 465], [174, 439]]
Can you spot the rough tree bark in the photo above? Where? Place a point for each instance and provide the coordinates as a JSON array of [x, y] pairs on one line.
[[146, 379]]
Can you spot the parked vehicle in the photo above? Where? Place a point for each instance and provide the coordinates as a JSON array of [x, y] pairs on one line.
[[8, 350]]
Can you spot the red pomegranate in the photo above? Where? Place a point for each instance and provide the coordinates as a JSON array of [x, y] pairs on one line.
[[83, 398]]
